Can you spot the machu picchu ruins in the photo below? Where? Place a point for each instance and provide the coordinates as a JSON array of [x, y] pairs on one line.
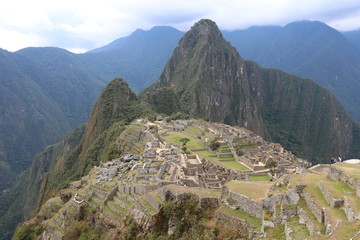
[[254, 188]]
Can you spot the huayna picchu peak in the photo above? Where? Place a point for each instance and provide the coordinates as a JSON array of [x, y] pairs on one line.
[[217, 148], [213, 82]]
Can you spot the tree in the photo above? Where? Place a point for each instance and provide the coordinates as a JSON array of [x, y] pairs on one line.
[[184, 141], [214, 144]]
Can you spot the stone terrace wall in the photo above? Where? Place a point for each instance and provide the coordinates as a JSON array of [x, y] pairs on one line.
[[329, 228], [350, 213], [317, 211], [305, 219], [332, 201], [167, 194], [338, 175], [233, 223], [246, 204]]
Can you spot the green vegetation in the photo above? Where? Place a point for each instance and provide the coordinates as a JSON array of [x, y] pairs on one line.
[[81, 230], [116, 107], [27, 232], [214, 144], [195, 143], [352, 169], [255, 222], [178, 116], [184, 141], [300, 231], [175, 137], [265, 178], [277, 232], [164, 101], [247, 188]]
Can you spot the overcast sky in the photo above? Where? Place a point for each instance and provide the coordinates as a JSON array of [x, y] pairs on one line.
[[81, 25]]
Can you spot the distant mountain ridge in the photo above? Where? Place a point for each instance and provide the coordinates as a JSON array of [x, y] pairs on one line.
[[353, 37], [309, 49], [45, 92], [139, 57]]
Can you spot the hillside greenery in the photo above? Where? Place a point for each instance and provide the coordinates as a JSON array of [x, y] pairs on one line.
[[309, 49]]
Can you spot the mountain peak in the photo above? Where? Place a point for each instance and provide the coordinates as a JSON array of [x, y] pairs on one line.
[[203, 72], [203, 28]]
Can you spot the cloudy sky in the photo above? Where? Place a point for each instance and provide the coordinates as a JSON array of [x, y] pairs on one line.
[[81, 25]]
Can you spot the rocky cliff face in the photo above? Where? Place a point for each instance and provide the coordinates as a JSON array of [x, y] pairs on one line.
[[212, 81], [299, 114]]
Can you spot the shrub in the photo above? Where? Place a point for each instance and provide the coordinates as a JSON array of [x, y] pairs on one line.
[[214, 144]]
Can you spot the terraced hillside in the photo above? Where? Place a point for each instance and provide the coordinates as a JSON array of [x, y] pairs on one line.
[[200, 188]]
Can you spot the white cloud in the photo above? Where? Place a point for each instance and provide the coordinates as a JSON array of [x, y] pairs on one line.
[[15, 40], [86, 24]]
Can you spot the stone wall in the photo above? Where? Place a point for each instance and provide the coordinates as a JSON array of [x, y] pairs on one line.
[[209, 203], [317, 211], [111, 194], [233, 223], [329, 228], [246, 204], [338, 175], [350, 213], [332, 201], [305, 219], [270, 202], [137, 189]]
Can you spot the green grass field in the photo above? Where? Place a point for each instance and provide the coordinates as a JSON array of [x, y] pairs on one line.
[[195, 143], [352, 169], [264, 178], [254, 190]]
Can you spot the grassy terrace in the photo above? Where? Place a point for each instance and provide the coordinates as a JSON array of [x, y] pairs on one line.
[[346, 230], [320, 227], [277, 232], [201, 192], [340, 189], [255, 222], [195, 143], [254, 190], [300, 231], [264, 178], [352, 169], [311, 181]]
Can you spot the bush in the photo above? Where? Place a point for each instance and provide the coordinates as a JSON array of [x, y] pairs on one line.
[[214, 144], [239, 152]]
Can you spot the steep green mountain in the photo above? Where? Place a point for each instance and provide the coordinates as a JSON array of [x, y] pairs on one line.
[[64, 78], [353, 37], [308, 49], [139, 57], [73, 157], [116, 107], [45, 92], [29, 120], [212, 81], [17, 204]]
